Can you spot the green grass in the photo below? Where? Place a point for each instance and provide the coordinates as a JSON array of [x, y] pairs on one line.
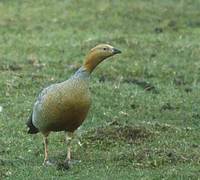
[[144, 120]]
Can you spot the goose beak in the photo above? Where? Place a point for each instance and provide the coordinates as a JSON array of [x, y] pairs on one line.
[[116, 51]]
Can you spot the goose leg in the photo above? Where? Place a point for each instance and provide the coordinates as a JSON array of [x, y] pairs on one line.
[[46, 159], [69, 137]]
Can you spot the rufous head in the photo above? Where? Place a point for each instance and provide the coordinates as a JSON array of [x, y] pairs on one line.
[[98, 54]]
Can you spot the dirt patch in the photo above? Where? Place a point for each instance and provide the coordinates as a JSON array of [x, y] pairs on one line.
[[168, 107], [118, 132], [155, 158], [11, 67], [142, 83]]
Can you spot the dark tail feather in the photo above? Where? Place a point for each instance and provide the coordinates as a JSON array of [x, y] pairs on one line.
[[32, 129]]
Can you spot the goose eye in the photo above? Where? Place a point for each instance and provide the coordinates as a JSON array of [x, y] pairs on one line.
[[104, 49]]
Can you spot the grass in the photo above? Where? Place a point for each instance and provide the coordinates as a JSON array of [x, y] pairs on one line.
[[144, 121]]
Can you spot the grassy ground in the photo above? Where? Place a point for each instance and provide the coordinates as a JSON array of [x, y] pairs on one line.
[[144, 121]]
